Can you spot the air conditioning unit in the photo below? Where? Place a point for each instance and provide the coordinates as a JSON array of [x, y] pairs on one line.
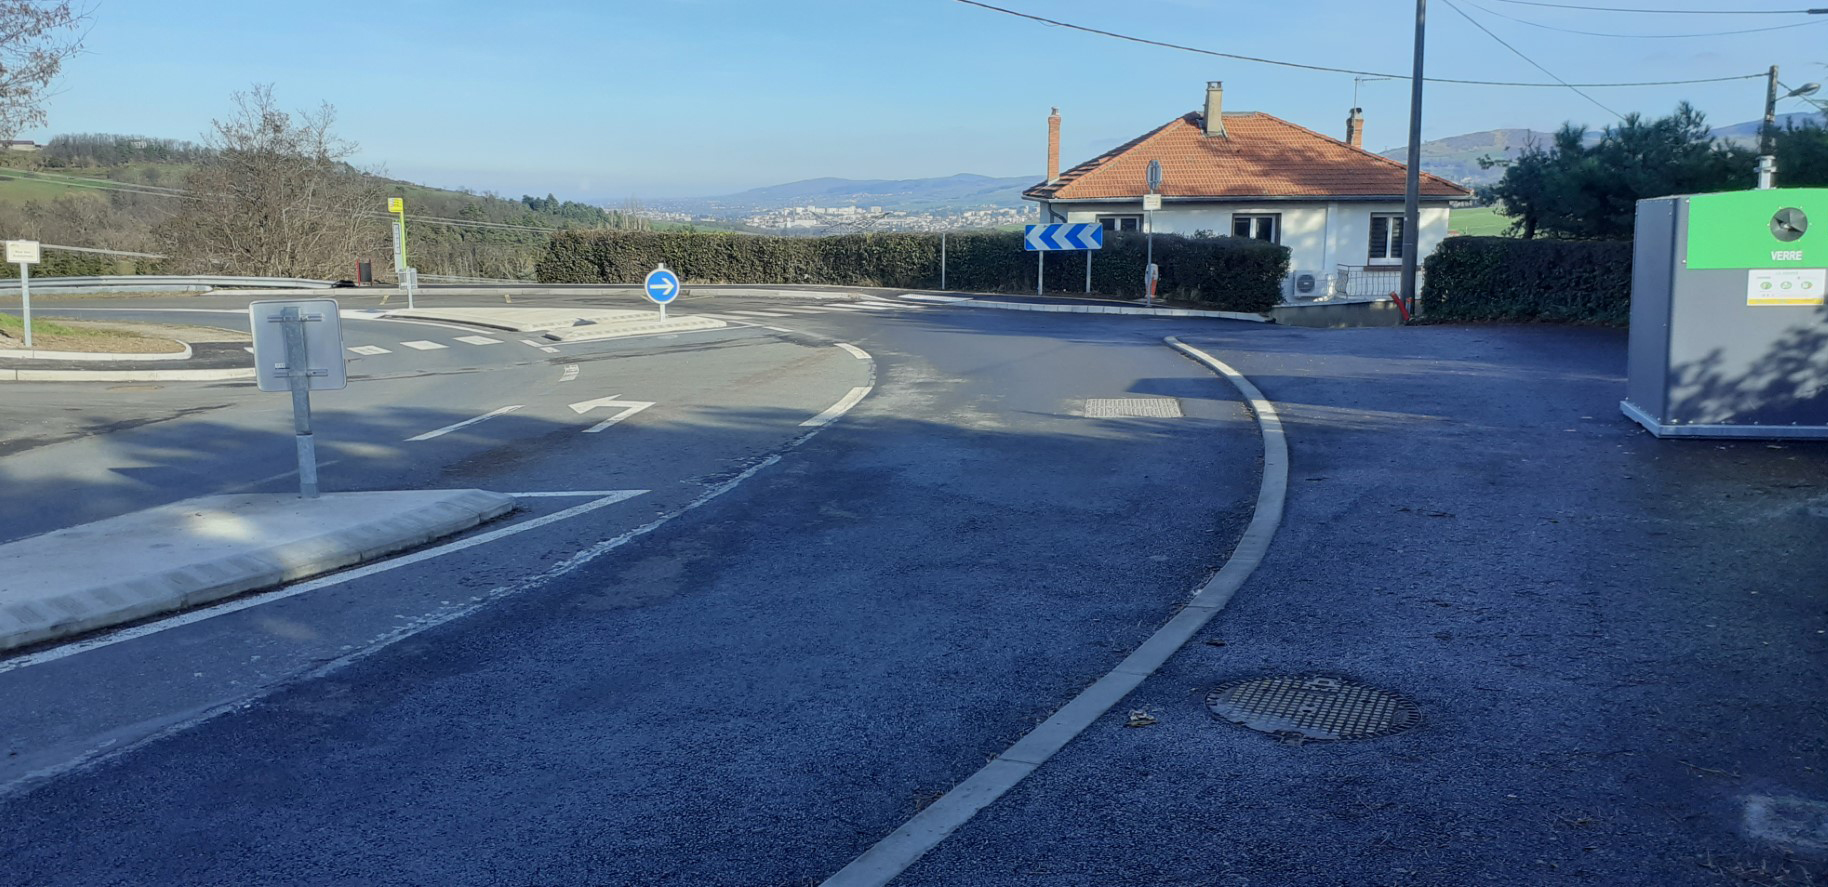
[[1307, 286]]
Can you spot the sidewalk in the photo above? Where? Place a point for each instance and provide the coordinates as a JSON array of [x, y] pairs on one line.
[[192, 552]]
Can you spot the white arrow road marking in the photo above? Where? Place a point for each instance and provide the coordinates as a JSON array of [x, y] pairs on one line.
[[450, 428], [369, 350], [422, 345], [629, 408], [570, 372], [478, 340], [843, 406]]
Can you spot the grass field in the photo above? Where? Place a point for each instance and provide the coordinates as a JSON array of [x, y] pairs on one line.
[[1479, 221]]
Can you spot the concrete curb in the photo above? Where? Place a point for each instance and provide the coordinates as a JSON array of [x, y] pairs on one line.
[[1089, 309], [593, 332], [151, 567], [126, 375], [891, 856], [40, 354]]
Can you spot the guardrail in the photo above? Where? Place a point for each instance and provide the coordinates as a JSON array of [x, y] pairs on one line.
[[140, 283]]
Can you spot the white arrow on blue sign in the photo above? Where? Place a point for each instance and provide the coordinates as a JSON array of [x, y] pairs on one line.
[[1075, 236], [661, 286]]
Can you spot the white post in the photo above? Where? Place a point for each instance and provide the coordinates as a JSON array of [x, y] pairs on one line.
[[25, 300], [412, 286], [298, 375], [1040, 269], [1088, 272], [942, 260]]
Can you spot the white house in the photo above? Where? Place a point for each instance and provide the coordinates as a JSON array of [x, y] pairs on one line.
[[1337, 207]]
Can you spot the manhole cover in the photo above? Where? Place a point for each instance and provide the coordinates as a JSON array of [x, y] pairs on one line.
[[1313, 707]]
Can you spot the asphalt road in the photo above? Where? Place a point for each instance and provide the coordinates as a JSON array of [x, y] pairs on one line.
[[789, 644], [849, 627]]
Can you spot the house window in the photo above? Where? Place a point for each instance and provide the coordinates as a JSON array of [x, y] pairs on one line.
[[1386, 237], [1121, 223], [1265, 226]]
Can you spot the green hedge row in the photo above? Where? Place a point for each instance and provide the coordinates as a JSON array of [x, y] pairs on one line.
[[62, 263], [1506, 278], [1228, 273]]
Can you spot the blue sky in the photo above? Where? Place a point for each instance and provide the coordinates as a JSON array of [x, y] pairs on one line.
[[655, 98]]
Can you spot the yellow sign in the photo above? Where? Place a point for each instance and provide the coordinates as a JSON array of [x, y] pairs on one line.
[[396, 204]]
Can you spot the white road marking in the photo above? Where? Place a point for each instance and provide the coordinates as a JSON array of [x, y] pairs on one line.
[[423, 345], [893, 854], [758, 314], [478, 340], [533, 342], [440, 432], [242, 603], [843, 406], [369, 350], [569, 373], [798, 310], [941, 300], [564, 494], [548, 349], [856, 352], [628, 408], [777, 329], [841, 307], [717, 316], [250, 349], [873, 306]]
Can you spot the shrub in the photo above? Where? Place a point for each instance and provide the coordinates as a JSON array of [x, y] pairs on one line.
[[1228, 273], [1506, 278]]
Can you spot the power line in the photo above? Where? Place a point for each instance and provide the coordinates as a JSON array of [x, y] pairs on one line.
[[1488, 32], [1525, 21], [1669, 11], [1306, 67]]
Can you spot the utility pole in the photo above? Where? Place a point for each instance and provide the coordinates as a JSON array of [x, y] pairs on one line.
[[1767, 136], [1412, 193]]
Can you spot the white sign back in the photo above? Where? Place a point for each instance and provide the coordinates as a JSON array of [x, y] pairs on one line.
[[323, 344], [22, 252]]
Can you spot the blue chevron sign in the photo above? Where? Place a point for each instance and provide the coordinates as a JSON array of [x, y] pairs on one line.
[[1082, 235]]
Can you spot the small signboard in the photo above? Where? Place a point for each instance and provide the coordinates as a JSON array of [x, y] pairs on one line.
[[1152, 202], [1785, 286], [396, 204], [324, 367], [661, 286], [22, 252]]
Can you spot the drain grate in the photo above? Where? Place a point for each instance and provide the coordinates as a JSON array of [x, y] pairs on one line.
[[1133, 408], [1313, 707]]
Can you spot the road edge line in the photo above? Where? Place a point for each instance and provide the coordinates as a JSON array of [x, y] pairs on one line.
[[884, 861]]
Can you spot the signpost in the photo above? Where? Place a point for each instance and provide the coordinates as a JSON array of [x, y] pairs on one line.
[[298, 347], [1151, 202], [661, 287], [1043, 239], [409, 279], [25, 254]]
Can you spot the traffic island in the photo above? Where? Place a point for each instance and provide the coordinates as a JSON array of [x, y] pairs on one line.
[[92, 351], [193, 552]]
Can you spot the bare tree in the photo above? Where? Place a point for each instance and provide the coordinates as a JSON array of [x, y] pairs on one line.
[[35, 38], [277, 197]]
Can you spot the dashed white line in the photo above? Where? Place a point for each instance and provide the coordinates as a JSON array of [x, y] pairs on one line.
[[369, 350], [856, 352], [777, 329], [757, 314], [440, 432], [843, 406], [840, 307], [423, 345], [533, 343], [478, 340], [570, 373]]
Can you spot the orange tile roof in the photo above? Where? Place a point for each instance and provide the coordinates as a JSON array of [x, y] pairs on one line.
[[1261, 156]]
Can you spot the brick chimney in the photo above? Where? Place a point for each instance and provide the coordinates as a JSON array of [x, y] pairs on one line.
[[1053, 146], [1215, 108], [1355, 128]]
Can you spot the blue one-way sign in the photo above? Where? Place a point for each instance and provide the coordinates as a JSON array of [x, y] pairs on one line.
[[661, 285], [1077, 236]]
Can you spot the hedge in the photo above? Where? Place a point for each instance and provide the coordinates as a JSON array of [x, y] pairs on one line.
[[1507, 278], [1233, 274]]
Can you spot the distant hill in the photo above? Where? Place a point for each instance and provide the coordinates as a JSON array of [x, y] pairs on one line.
[[961, 191], [1457, 157]]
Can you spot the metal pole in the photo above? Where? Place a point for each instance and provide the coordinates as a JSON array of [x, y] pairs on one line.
[[1149, 291], [1767, 135], [25, 300], [1412, 195], [298, 376], [1040, 269], [1088, 272], [942, 260]]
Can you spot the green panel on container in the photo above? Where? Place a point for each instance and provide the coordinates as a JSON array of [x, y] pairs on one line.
[[1735, 230]]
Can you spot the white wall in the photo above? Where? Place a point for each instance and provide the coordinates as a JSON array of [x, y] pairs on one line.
[[1320, 236]]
